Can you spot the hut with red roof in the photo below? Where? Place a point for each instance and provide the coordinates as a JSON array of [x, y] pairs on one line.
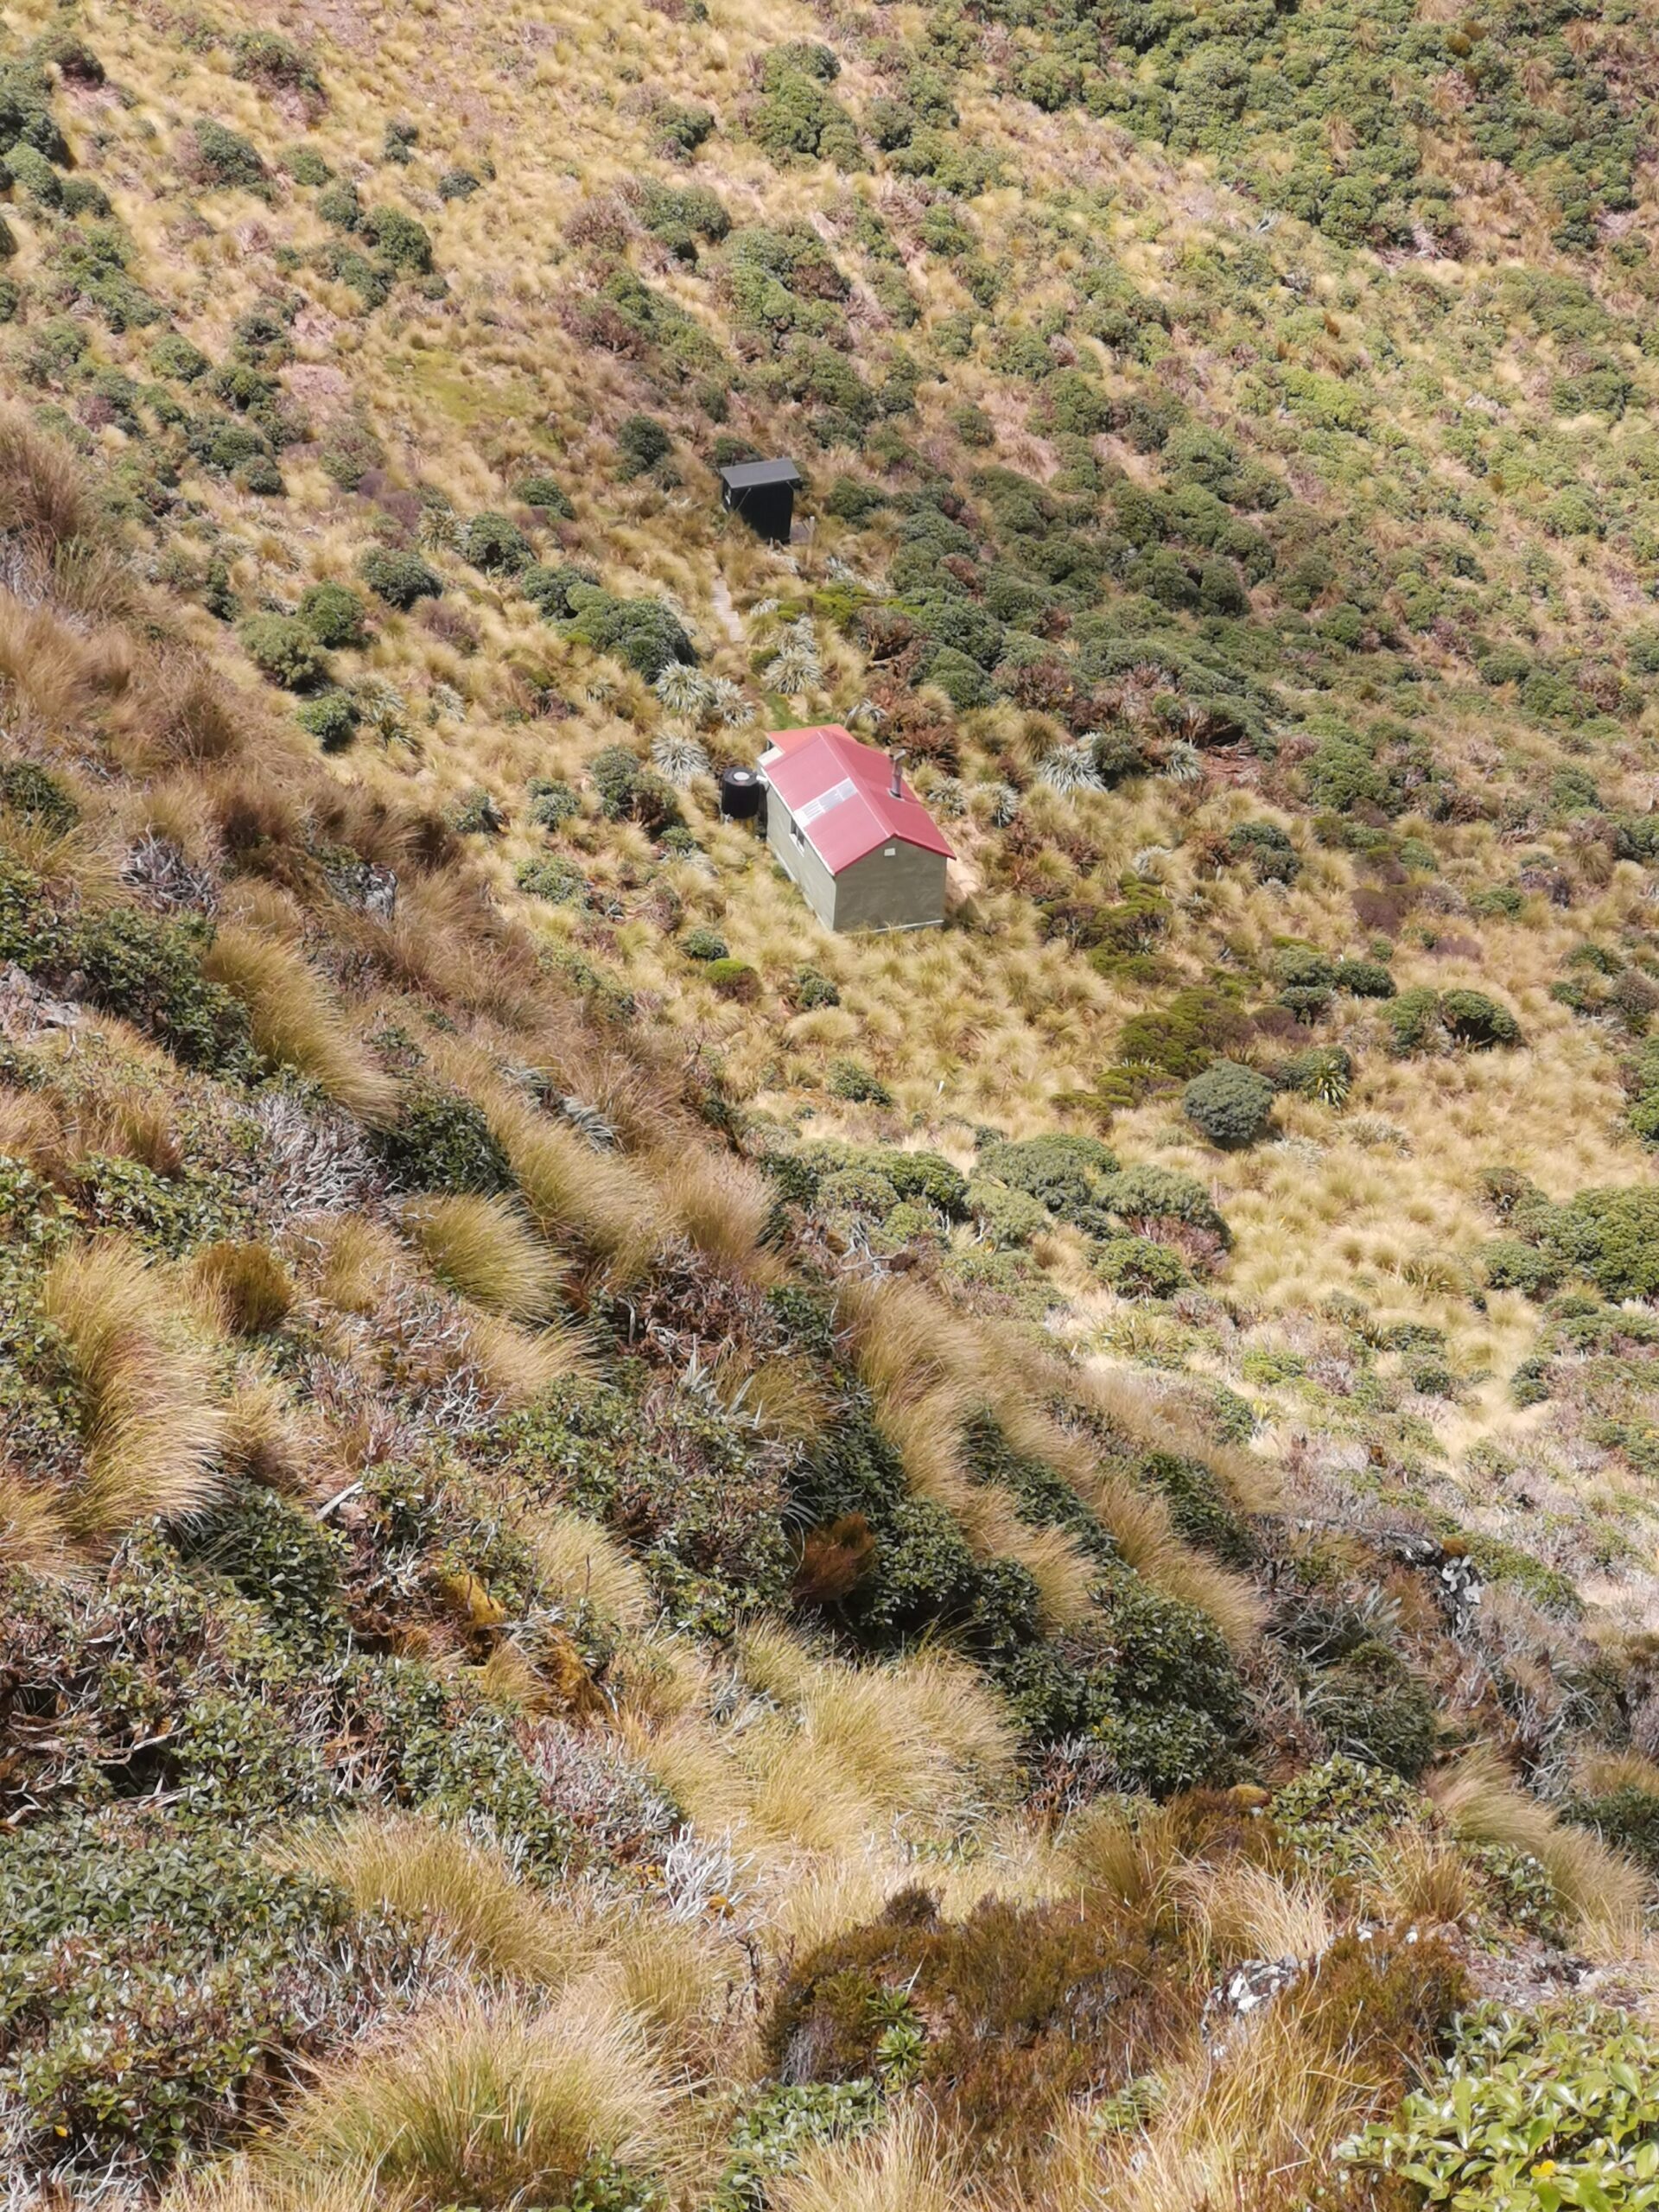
[[843, 822]]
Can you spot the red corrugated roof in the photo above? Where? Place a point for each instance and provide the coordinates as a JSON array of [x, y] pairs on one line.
[[840, 792]]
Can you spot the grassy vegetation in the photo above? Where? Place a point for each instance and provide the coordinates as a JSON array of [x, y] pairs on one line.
[[652, 1558]]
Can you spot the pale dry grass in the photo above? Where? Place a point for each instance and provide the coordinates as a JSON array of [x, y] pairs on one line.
[[150, 1425], [1240, 2129], [1604, 1893], [32, 1534], [908, 2165], [521, 1362], [581, 1564], [599, 1201], [296, 1022], [1238, 1911], [844, 1755], [436, 1879], [721, 1203], [486, 1251], [43, 494], [480, 2101]]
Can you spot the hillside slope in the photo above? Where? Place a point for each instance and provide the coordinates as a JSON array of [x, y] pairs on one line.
[[650, 1556]]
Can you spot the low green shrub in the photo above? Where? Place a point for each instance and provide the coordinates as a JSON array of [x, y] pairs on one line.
[[1228, 1105], [284, 649], [440, 1142], [221, 157], [1536, 2113], [332, 718], [704, 944], [641, 443], [333, 614], [1140, 1267], [858, 1085], [1065, 1174], [496, 544], [403, 244], [398, 578], [543, 493], [630, 791], [554, 878]]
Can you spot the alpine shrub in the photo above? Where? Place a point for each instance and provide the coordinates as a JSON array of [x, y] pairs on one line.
[[1228, 1105]]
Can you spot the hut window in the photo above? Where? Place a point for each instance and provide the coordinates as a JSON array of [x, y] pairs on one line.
[[891, 853]]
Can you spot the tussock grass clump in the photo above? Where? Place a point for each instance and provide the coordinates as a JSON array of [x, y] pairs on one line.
[[437, 1878], [598, 1200], [486, 1251], [478, 2102], [908, 2166], [246, 1286], [582, 1566], [296, 1022], [43, 493], [150, 1425], [1604, 1891]]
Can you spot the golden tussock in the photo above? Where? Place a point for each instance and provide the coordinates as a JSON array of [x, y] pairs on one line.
[[485, 1249], [150, 1425], [43, 495], [908, 2166], [433, 1877], [582, 1564], [296, 1022], [480, 2102], [1480, 1803], [597, 1200]]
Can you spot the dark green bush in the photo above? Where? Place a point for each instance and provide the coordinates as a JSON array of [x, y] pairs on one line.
[[642, 633], [398, 578], [1365, 979], [553, 878], [1265, 847], [1140, 1267], [307, 167], [1472, 1018], [641, 443], [811, 988], [1412, 1020], [704, 944], [495, 542], [173, 356], [154, 1979], [149, 972], [221, 157], [552, 803], [332, 718], [630, 791], [333, 614], [38, 795], [440, 1142], [1064, 1174], [545, 494], [267, 58], [1229, 1104], [340, 206], [852, 1081], [403, 244], [285, 649], [1160, 1194]]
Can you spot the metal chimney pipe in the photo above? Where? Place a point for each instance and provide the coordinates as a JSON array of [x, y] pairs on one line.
[[895, 790]]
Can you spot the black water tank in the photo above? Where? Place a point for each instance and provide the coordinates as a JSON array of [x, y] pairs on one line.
[[740, 793]]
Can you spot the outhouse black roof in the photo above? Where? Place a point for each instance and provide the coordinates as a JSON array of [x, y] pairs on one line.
[[748, 475]]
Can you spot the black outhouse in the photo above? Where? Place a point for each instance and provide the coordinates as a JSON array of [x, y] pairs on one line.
[[763, 492]]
